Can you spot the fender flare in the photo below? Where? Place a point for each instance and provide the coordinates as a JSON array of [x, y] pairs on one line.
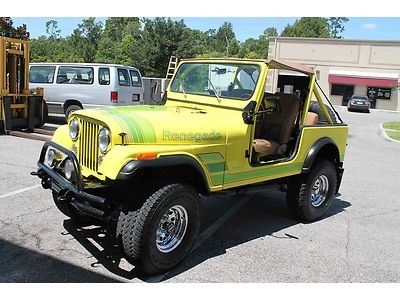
[[133, 167], [314, 151]]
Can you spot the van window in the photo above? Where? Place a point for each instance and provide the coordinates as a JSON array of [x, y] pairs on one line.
[[41, 74], [123, 77], [104, 76], [135, 78], [75, 75]]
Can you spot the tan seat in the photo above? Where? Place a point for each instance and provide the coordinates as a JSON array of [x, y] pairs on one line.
[[311, 119], [273, 132]]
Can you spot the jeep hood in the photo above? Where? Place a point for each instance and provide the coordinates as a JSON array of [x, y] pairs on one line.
[[147, 124]]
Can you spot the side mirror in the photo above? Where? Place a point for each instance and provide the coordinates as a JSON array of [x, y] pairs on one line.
[[248, 112]]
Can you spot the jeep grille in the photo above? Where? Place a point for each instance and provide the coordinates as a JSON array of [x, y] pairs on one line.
[[88, 150]]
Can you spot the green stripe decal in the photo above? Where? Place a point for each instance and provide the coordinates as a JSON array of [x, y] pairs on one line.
[[138, 129], [211, 157], [262, 172], [216, 167], [341, 157], [217, 179]]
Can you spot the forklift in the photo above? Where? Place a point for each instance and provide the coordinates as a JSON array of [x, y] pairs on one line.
[[21, 108]]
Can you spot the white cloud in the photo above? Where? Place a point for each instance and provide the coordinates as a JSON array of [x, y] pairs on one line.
[[369, 26]]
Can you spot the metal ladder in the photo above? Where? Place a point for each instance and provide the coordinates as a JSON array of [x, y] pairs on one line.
[[173, 63]]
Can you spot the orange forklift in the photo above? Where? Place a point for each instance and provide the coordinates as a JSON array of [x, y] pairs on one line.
[[21, 108]]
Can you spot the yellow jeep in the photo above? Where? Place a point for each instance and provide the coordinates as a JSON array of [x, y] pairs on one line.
[[143, 168]]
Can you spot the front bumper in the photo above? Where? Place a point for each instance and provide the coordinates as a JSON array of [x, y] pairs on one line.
[[73, 192]]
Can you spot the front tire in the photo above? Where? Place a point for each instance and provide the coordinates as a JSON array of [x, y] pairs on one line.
[[163, 231], [310, 195]]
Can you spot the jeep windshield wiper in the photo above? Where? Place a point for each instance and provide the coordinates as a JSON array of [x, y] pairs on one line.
[[213, 88]]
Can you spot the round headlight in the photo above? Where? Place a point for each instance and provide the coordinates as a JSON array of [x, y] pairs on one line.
[[74, 129], [68, 169], [104, 139], [51, 158]]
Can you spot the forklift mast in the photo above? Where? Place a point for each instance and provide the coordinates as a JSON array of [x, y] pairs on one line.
[[20, 107]]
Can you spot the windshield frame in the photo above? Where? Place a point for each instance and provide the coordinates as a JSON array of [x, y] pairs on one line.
[[240, 65]]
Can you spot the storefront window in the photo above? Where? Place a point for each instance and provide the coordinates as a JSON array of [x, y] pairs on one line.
[[379, 93]]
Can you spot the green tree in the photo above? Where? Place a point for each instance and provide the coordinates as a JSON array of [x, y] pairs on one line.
[[159, 40], [225, 40], [313, 27], [118, 43], [7, 29], [52, 29], [84, 40], [336, 26]]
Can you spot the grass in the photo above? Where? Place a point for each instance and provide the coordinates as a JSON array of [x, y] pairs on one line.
[[393, 134], [392, 125], [394, 130]]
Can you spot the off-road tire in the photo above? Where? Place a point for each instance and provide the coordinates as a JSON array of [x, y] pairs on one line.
[[70, 109], [139, 231], [314, 107], [298, 195], [68, 210], [45, 115]]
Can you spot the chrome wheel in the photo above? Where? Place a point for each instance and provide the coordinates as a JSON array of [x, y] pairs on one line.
[[171, 229], [319, 190]]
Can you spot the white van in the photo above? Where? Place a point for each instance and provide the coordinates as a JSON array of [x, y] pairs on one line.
[[72, 86]]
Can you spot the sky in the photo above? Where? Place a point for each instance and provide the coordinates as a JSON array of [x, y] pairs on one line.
[[386, 28]]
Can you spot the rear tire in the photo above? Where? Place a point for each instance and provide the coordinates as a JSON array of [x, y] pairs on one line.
[[161, 233], [310, 195]]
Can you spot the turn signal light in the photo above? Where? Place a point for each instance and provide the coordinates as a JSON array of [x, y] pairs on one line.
[[145, 156]]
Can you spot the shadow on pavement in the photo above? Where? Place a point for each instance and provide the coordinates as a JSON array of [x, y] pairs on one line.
[[18, 264], [263, 215]]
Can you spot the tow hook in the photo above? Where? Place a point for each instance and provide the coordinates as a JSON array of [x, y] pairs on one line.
[[46, 182], [39, 173], [64, 196]]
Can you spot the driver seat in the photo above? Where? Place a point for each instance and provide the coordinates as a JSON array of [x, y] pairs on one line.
[[274, 131]]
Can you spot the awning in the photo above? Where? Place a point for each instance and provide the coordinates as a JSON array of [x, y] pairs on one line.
[[375, 79]]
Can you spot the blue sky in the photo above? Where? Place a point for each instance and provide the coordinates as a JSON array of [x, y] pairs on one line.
[[245, 27]]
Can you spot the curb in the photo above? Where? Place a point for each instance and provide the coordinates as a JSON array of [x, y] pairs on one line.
[[383, 133]]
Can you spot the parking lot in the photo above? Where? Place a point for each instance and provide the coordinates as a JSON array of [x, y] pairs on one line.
[[245, 238]]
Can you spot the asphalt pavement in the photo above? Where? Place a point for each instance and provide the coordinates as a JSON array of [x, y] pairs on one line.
[[245, 238]]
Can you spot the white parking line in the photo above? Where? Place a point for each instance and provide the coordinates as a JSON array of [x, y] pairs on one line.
[[221, 220], [20, 191]]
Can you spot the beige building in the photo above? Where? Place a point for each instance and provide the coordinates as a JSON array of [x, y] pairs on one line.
[[344, 68]]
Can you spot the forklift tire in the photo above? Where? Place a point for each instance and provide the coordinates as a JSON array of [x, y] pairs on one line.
[[45, 115]]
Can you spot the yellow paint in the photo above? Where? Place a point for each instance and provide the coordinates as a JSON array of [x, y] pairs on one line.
[[209, 130]]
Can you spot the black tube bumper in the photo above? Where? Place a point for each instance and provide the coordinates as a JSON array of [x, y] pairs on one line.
[[72, 192]]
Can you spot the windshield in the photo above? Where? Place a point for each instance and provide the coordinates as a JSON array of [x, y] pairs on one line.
[[363, 98], [230, 80]]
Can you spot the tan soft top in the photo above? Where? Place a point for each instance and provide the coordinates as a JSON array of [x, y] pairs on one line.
[[288, 65]]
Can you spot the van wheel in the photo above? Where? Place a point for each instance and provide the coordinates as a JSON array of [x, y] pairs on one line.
[[70, 109], [158, 236]]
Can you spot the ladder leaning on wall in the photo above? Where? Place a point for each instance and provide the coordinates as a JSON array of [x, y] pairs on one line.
[[173, 63]]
